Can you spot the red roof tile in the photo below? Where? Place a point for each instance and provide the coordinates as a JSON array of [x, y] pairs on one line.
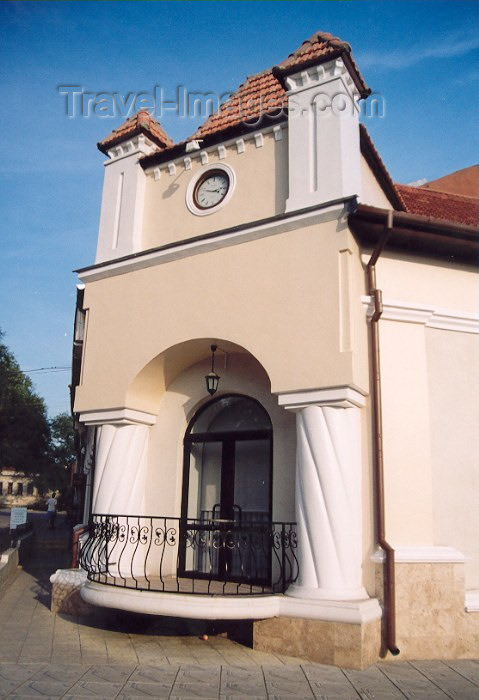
[[259, 95], [440, 205], [321, 45], [141, 122], [263, 94]]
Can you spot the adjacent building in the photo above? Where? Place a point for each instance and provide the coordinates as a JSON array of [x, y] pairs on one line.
[[276, 378]]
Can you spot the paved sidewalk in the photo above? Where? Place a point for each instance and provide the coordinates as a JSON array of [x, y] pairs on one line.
[[121, 655]]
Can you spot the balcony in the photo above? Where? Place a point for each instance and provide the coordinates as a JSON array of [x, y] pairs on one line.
[[207, 556]]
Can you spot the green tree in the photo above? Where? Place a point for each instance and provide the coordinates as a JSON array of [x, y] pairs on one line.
[[61, 452], [24, 428]]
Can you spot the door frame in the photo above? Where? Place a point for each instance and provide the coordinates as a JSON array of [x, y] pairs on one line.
[[228, 438]]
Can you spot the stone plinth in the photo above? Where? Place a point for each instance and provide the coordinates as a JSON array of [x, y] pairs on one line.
[[355, 646], [66, 585]]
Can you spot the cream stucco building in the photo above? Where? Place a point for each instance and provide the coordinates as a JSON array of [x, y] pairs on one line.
[[327, 490]]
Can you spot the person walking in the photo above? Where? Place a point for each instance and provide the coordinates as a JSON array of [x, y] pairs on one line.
[[52, 510]]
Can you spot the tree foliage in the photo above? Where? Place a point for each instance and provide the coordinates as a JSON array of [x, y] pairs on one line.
[[24, 427], [61, 452]]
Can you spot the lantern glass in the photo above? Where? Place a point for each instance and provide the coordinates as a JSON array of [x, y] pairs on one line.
[[212, 381]]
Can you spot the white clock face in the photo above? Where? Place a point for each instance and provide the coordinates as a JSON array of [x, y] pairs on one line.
[[211, 189]]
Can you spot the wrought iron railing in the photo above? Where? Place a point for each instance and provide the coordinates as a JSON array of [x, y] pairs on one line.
[[210, 557]]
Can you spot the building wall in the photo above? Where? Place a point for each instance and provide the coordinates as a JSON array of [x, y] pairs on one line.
[[278, 297], [261, 190], [429, 349], [11, 476]]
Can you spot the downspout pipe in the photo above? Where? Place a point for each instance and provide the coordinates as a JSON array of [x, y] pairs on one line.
[[389, 629]]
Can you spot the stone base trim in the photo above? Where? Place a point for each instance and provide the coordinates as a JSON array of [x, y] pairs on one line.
[[355, 646], [9, 561], [66, 587], [431, 620]]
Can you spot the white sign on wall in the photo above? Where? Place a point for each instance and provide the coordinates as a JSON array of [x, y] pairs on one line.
[[18, 516]]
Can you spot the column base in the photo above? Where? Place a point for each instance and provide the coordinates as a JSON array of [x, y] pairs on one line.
[[296, 591]]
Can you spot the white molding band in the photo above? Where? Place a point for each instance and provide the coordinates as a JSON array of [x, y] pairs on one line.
[[422, 555], [472, 601], [229, 607], [186, 249], [237, 144], [338, 397], [409, 312], [117, 416]]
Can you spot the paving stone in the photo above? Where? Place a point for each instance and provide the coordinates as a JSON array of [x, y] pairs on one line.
[[38, 689], [108, 673], [371, 683], [138, 689], [467, 668], [195, 690], [293, 689], [452, 683], [95, 689], [243, 697], [411, 681], [153, 674]]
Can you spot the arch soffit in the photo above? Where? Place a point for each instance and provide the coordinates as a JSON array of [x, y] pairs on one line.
[[156, 376]]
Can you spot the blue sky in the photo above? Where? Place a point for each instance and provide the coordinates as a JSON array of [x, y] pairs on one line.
[[422, 57]]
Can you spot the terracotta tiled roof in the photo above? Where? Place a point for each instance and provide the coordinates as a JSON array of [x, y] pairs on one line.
[[259, 95], [321, 47], [263, 94], [440, 205], [140, 123]]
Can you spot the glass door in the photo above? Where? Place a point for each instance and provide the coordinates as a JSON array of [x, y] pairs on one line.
[[227, 486]]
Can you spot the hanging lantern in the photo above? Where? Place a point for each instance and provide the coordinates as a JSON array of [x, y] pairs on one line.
[[212, 379]]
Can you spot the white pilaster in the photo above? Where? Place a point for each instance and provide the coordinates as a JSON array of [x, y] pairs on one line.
[[328, 500], [323, 136], [121, 217]]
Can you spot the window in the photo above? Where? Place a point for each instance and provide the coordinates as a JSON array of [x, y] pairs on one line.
[[19, 489], [1, 488], [10, 488], [30, 489]]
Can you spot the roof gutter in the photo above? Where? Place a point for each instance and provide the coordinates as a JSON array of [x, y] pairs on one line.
[[389, 582]]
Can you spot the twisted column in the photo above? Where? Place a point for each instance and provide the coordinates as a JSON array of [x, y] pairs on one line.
[[328, 503], [120, 469]]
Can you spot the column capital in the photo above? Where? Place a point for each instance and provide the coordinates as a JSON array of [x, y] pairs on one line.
[[117, 416], [336, 397]]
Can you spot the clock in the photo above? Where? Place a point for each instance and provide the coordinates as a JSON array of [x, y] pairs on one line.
[[211, 189]]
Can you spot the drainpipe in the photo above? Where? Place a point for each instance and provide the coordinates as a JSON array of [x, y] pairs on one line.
[[378, 461]]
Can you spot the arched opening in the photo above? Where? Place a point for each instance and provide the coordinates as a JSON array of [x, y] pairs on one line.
[[227, 487]]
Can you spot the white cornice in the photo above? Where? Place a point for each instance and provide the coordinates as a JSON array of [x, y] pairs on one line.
[[427, 315], [316, 76], [422, 555], [187, 248], [221, 149], [138, 145], [117, 416], [338, 397]]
